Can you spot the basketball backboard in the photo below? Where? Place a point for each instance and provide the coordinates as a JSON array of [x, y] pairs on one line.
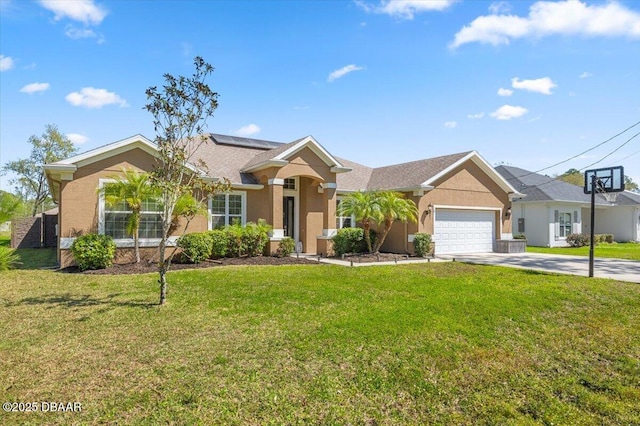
[[608, 179]]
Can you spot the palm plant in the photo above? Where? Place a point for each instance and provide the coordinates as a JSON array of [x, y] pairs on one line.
[[133, 189], [366, 209], [393, 206]]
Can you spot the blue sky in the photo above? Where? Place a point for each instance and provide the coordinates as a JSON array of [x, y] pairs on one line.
[[523, 83]]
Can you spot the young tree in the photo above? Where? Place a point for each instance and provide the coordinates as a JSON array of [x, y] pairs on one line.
[[31, 182], [133, 188], [393, 206], [366, 209], [180, 109]]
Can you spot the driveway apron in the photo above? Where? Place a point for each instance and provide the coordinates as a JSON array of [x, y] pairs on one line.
[[616, 269]]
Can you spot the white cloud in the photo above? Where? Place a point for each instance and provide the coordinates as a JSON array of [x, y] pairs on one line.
[[571, 17], [451, 124], [505, 92], [475, 116], [585, 75], [77, 139], [35, 87], [248, 130], [405, 9], [77, 33], [507, 112], [342, 72], [539, 85], [85, 11], [499, 7], [90, 97], [6, 63]]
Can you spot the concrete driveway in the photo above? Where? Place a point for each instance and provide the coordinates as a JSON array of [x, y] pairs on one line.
[[616, 269]]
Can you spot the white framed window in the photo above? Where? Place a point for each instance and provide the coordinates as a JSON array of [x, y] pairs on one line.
[[226, 208], [343, 221], [114, 218], [564, 223], [289, 183]]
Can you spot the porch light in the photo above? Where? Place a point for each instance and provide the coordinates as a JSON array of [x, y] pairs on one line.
[[429, 209], [507, 213]]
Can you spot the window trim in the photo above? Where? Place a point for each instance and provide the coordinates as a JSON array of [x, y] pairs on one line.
[[243, 219], [120, 242], [340, 219]]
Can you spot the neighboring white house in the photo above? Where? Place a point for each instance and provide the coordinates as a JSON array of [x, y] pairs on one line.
[[553, 209]]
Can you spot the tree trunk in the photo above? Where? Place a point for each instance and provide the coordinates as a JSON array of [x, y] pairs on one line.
[[385, 231], [366, 226], [162, 269], [136, 243]]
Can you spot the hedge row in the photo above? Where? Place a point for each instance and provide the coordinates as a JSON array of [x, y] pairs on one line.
[[580, 240], [231, 241]]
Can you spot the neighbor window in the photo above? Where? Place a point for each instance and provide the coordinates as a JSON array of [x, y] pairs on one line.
[[227, 209], [116, 217], [564, 222]]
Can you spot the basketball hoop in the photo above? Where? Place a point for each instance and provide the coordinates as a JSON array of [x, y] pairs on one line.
[[606, 182], [610, 197]]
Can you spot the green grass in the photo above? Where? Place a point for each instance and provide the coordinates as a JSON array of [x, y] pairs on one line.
[[630, 251], [31, 258], [5, 239], [439, 343]]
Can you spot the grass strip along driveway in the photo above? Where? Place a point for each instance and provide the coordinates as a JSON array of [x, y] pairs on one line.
[[629, 251], [446, 343]]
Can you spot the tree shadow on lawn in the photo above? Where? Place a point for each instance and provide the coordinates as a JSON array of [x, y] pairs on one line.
[[75, 302]]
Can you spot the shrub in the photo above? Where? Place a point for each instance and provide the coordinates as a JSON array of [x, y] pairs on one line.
[[9, 259], [578, 240], [255, 237], [519, 237], [286, 247], [196, 247], [422, 244], [235, 246], [219, 243], [93, 251], [348, 240], [603, 238]]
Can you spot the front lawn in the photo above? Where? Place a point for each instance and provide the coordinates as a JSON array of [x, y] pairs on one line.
[[438, 343], [630, 251]]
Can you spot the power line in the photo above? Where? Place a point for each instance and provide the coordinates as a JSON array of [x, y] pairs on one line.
[[588, 150], [553, 179], [612, 152], [582, 153]]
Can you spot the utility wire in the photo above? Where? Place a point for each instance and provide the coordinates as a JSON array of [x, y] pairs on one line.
[[583, 152], [553, 179], [612, 152]]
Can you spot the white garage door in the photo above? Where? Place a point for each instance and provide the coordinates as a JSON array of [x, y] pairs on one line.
[[464, 231]]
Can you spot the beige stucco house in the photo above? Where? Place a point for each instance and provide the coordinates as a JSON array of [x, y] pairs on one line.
[[462, 201]]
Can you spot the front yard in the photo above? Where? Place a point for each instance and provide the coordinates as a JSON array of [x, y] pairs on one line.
[[629, 251], [445, 343]]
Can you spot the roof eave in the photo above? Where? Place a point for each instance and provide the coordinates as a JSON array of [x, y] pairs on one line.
[[265, 165]]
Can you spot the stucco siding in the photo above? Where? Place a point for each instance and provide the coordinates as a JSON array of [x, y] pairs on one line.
[[619, 221], [536, 225]]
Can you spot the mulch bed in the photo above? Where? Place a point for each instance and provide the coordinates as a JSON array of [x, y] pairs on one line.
[[380, 257], [145, 267]]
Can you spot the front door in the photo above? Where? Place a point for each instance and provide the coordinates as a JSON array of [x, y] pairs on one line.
[[288, 219]]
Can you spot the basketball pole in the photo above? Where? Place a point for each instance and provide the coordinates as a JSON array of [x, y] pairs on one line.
[[593, 223]]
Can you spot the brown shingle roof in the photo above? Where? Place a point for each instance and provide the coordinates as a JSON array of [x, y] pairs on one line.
[[414, 173], [269, 155]]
